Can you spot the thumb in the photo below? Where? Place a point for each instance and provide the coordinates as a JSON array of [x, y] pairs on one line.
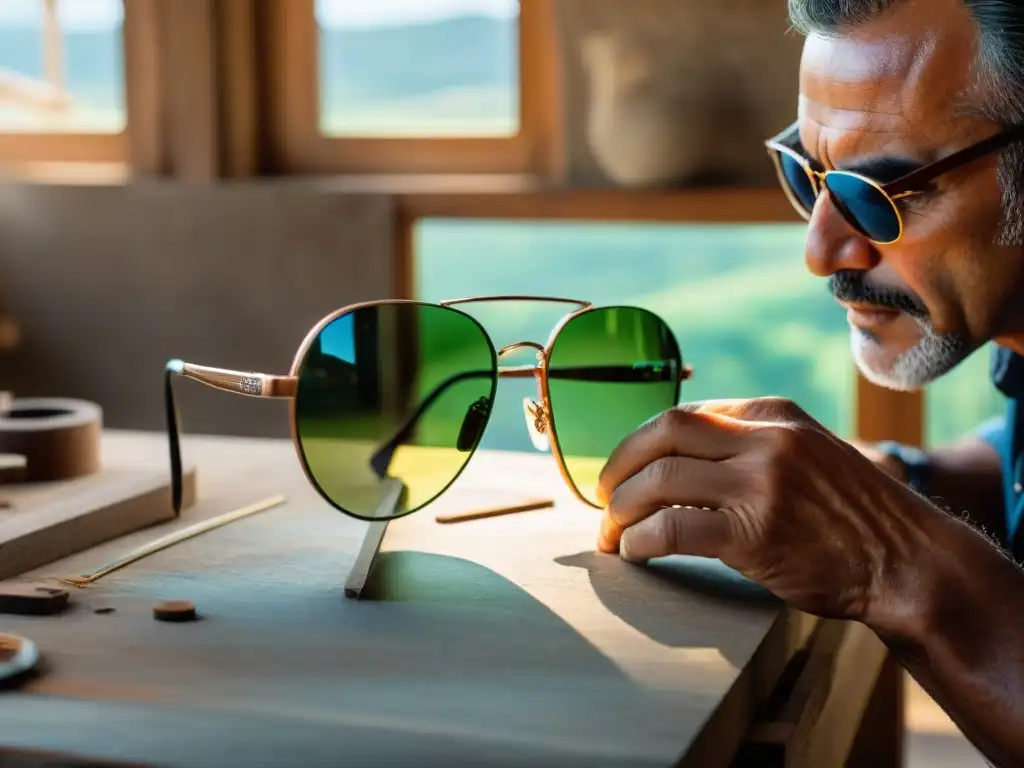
[[677, 531]]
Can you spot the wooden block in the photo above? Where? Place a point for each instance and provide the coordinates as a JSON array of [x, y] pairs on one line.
[[32, 599], [48, 521], [13, 467]]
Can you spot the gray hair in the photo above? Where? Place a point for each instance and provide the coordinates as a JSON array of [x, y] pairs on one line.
[[999, 77]]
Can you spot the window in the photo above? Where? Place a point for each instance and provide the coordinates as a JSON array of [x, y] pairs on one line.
[[747, 314], [61, 66], [410, 87], [404, 68], [962, 400]]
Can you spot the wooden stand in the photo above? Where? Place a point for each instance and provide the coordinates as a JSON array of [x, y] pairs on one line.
[[44, 522]]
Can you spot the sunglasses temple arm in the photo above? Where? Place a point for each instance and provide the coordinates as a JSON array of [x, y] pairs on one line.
[[173, 437], [380, 461], [236, 382], [653, 371]]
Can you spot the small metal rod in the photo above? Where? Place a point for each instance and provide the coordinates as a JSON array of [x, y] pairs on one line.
[[171, 539], [508, 509]]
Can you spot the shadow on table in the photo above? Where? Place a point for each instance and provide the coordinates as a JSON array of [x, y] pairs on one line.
[[705, 586], [479, 619]]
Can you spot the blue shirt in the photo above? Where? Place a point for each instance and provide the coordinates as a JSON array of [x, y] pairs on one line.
[[1006, 436]]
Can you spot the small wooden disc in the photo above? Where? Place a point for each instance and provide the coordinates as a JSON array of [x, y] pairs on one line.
[[174, 610]]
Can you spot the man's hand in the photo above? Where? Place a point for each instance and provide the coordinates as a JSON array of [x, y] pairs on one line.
[[762, 486]]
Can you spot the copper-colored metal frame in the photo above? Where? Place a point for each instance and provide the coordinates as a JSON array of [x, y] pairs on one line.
[[907, 185], [254, 384]]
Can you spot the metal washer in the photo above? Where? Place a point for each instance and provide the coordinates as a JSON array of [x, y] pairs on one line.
[[18, 655]]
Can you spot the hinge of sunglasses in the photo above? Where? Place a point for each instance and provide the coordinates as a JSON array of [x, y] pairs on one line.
[[238, 382]]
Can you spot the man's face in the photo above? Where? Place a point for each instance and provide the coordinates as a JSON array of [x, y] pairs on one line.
[[882, 99]]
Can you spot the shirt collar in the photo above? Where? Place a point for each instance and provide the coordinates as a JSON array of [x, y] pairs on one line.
[[1007, 370]]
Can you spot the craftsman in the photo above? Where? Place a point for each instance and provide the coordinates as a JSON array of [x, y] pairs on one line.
[[886, 86]]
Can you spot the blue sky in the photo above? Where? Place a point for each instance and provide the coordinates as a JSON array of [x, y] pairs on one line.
[[104, 14]]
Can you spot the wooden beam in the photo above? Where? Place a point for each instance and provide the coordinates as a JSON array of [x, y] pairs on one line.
[[238, 87], [190, 83], [883, 414], [148, 153], [514, 196], [193, 88]]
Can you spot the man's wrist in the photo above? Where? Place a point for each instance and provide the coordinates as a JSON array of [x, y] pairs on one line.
[[910, 465]]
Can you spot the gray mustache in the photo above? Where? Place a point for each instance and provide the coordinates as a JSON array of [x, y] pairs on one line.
[[850, 286]]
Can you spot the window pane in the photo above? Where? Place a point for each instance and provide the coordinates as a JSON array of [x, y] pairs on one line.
[[749, 317], [962, 400], [419, 67], [70, 81]]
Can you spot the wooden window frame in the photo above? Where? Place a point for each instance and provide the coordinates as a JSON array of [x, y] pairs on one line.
[[297, 145], [37, 147]]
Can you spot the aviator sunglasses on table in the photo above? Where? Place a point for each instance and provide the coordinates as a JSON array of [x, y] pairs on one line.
[[403, 390], [869, 206]]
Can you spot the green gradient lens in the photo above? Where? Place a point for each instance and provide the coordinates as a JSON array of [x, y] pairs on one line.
[[610, 370], [390, 392]]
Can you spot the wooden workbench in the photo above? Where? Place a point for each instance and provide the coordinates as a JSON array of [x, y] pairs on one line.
[[505, 641]]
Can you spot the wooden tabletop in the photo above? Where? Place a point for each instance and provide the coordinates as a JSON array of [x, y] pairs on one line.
[[503, 641]]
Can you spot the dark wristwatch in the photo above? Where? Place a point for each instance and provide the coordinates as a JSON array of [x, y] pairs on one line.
[[915, 462]]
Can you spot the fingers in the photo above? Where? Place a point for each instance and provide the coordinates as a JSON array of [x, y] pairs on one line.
[[682, 431], [668, 481], [682, 531]]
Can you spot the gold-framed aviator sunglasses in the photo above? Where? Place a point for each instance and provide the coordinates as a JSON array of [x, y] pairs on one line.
[[403, 390], [868, 206]]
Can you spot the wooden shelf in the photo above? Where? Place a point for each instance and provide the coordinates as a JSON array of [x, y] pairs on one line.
[[525, 197]]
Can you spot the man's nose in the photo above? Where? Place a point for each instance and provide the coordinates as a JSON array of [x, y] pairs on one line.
[[833, 244]]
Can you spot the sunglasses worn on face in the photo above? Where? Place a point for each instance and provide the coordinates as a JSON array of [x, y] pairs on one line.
[[402, 390], [868, 206]]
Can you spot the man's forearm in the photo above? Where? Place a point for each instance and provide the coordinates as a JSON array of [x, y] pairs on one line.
[[958, 628]]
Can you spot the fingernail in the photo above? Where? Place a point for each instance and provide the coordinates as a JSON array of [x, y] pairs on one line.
[[624, 552], [624, 547]]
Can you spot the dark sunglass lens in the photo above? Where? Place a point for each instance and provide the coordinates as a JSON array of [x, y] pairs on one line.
[[865, 206], [393, 395], [799, 182]]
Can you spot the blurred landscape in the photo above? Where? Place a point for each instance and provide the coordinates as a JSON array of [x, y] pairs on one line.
[[747, 314]]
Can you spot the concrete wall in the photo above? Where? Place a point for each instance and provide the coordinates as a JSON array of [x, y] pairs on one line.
[[109, 282]]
